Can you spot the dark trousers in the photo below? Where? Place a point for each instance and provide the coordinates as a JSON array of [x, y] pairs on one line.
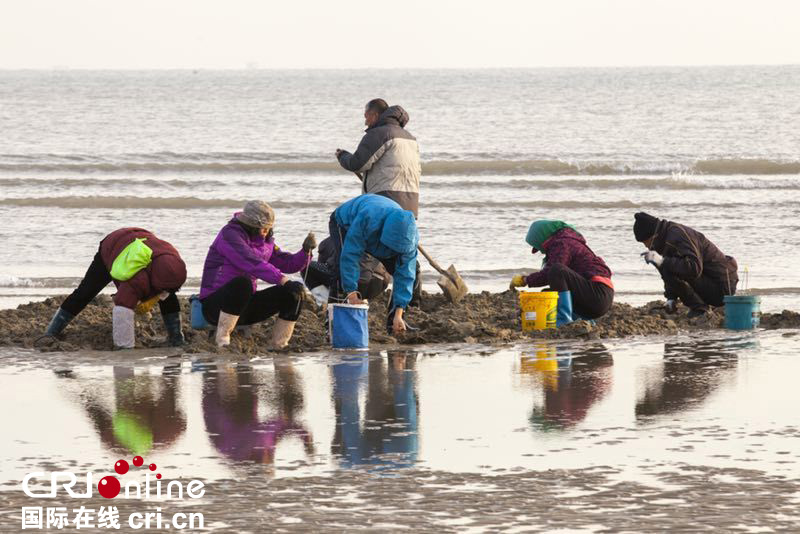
[[96, 278], [590, 299], [697, 294], [338, 234], [237, 298]]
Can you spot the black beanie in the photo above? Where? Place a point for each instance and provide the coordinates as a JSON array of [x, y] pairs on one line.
[[645, 226]]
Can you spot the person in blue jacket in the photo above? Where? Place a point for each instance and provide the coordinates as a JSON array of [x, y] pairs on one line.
[[379, 226]]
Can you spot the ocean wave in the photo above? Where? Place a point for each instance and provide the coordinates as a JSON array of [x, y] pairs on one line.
[[593, 205], [17, 281], [84, 182], [136, 202], [62, 282], [676, 182], [746, 166], [233, 163], [180, 203], [172, 167]]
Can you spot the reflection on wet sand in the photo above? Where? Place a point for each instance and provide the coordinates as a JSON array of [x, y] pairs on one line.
[[690, 373], [572, 381], [388, 436], [231, 396], [145, 416]]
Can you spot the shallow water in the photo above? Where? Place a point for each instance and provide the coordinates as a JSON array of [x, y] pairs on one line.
[[649, 417]]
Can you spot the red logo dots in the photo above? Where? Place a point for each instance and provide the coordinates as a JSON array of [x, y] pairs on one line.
[[121, 467], [108, 487]]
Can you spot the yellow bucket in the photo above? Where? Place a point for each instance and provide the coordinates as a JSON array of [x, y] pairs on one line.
[[538, 309]]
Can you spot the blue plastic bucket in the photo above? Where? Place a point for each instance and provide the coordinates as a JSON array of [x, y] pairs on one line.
[[348, 324], [742, 312], [196, 316]]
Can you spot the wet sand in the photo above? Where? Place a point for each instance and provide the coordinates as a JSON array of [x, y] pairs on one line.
[[488, 318], [691, 499], [688, 433]]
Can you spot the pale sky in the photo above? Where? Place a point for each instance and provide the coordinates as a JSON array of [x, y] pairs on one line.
[[129, 34]]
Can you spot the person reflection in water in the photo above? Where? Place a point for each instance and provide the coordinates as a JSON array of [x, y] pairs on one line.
[[388, 436], [691, 372], [572, 383], [230, 411], [145, 417]]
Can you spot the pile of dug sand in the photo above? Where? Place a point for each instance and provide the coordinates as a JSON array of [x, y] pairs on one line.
[[489, 318]]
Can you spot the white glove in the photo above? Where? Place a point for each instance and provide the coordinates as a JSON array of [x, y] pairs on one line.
[[122, 327], [653, 258]]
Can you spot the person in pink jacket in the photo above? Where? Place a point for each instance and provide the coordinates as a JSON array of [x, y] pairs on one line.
[[244, 252]]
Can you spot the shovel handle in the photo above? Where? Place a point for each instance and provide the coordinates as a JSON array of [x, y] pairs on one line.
[[437, 266], [433, 262]]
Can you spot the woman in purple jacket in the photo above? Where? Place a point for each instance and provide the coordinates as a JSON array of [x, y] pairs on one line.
[[244, 252], [569, 265]]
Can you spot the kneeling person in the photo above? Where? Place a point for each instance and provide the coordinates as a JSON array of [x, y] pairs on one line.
[[378, 226], [693, 269], [243, 252], [569, 265], [145, 270]]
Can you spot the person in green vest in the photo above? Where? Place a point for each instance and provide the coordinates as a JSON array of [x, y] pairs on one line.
[[145, 269]]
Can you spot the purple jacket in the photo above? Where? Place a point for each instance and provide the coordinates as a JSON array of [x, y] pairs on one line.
[[236, 432], [569, 248], [234, 253]]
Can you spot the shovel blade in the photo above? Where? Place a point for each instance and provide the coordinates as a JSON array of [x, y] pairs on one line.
[[453, 291]]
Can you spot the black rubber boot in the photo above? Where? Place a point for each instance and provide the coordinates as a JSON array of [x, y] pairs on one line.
[[697, 312], [58, 323], [416, 295], [172, 322]]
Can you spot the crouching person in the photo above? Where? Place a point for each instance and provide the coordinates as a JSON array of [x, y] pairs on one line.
[[377, 226], [693, 269], [145, 270], [569, 265], [321, 275], [243, 252]]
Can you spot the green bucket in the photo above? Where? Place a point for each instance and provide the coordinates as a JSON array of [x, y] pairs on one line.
[[742, 312]]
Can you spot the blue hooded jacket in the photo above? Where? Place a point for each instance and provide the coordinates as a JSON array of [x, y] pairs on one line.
[[379, 226]]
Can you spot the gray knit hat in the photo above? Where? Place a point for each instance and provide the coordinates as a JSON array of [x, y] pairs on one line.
[[257, 214]]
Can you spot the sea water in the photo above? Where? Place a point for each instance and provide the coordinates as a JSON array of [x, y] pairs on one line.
[[178, 152]]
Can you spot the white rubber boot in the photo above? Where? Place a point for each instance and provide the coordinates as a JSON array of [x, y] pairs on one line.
[[282, 333], [225, 325]]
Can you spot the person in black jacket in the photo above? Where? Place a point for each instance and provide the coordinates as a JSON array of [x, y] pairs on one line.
[[694, 270]]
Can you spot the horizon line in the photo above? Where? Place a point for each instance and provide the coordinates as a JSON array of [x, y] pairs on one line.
[[264, 68]]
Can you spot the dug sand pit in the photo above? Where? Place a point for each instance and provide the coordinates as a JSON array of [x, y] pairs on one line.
[[489, 318]]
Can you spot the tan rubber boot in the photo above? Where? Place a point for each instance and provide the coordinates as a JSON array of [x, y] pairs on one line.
[[282, 333], [225, 325]]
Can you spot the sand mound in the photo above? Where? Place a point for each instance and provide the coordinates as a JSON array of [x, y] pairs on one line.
[[480, 318]]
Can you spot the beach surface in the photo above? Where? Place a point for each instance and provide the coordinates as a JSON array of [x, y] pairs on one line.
[[488, 318]]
